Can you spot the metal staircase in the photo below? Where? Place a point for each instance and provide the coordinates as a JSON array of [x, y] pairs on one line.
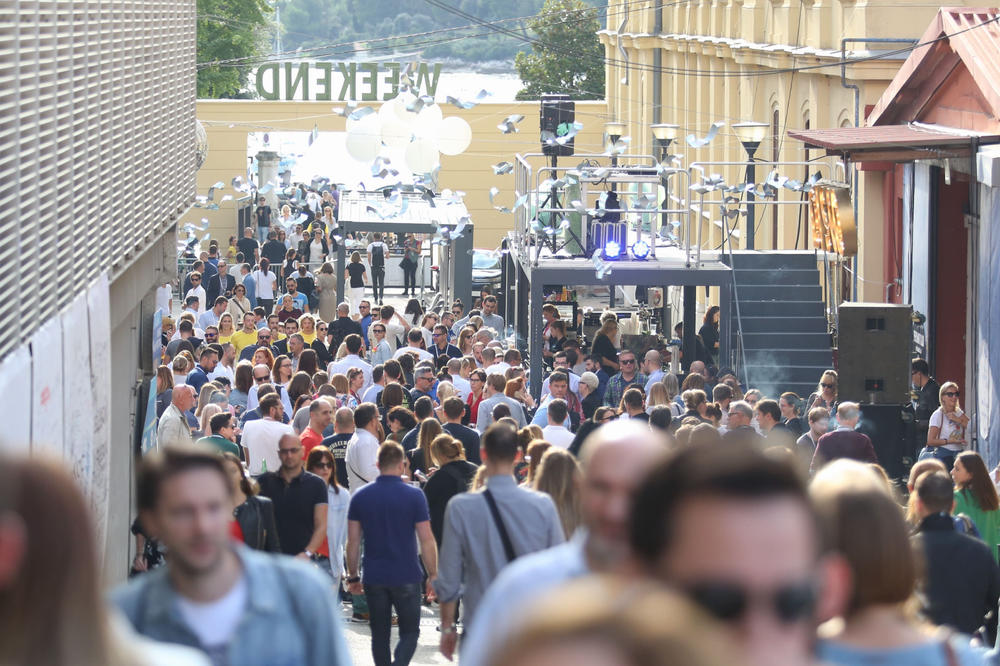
[[781, 334]]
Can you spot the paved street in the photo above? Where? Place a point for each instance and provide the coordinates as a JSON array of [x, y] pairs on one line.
[[359, 640]]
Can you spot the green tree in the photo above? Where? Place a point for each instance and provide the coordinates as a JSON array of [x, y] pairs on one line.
[[230, 29], [567, 56]]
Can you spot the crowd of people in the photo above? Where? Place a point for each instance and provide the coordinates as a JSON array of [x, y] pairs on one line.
[[382, 465]]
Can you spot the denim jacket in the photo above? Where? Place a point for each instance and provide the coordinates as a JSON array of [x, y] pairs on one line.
[[291, 617]]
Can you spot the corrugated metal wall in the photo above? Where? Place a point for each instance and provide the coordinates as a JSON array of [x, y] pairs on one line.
[[97, 122]]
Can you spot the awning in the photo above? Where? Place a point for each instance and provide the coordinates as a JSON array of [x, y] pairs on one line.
[[891, 143]]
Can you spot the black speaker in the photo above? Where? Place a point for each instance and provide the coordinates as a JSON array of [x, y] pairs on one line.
[[875, 347], [556, 111], [891, 429]]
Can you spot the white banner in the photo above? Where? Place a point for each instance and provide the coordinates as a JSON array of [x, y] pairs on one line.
[[47, 389], [15, 392], [99, 324]]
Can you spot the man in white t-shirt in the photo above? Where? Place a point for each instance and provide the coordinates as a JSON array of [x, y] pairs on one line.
[[460, 383], [378, 252], [362, 451], [555, 433], [261, 436], [164, 298], [393, 331], [196, 290], [414, 338]]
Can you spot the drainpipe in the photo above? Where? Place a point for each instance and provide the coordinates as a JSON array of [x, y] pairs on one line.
[[857, 117], [657, 67]]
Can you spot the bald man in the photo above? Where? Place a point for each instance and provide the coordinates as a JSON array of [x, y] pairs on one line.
[[615, 459], [173, 428]]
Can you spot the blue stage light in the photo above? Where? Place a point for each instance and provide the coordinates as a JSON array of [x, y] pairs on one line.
[[612, 249], [640, 249]]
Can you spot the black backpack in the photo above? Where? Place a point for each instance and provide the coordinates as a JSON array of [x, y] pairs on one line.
[[378, 256]]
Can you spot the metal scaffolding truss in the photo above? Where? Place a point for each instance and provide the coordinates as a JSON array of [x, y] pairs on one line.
[[412, 212]]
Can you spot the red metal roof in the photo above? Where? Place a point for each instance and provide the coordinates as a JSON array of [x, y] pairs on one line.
[[970, 35], [847, 139]]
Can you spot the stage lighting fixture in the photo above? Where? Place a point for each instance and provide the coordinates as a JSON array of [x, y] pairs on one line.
[[612, 249], [640, 249]]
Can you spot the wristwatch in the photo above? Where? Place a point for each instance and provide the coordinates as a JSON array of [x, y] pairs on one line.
[[445, 631], [353, 579], [309, 553]]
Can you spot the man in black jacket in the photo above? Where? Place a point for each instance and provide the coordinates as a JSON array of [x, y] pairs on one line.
[[963, 581], [220, 284]]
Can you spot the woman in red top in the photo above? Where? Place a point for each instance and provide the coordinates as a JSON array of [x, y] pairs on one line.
[[477, 380]]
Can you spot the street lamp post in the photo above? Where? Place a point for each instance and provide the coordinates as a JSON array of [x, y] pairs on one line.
[[663, 135], [614, 130], [750, 135]]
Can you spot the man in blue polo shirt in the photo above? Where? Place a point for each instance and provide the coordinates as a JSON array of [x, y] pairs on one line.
[[387, 512]]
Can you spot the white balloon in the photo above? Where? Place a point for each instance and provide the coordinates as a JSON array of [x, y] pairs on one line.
[[395, 133], [422, 156], [427, 122], [369, 124], [399, 103], [454, 135], [362, 146]]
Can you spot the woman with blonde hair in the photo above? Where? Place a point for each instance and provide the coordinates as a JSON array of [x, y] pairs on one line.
[[342, 385], [358, 276], [657, 396], [607, 620], [525, 436], [226, 329], [422, 457], [476, 322], [946, 433], [559, 476], [204, 397], [453, 477], [536, 450], [307, 328], [604, 348], [204, 429], [326, 287], [826, 393]]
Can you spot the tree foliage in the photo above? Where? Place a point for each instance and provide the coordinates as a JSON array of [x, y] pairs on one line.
[[567, 56], [230, 29], [313, 23]]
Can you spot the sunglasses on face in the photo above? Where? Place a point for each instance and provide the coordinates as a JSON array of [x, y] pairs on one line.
[[212, 335], [324, 465], [729, 601], [953, 394], [263, 338], [261, 379], [195, 279], [827, 386], [627, 361], [379, 330]]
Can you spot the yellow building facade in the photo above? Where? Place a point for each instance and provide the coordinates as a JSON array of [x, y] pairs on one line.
[[229, 122], [697, 62]]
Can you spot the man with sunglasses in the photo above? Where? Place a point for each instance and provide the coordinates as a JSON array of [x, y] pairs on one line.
[[628, 375], [734, 529], [299, 499], [263, 340], [845, 441], [196, 290]]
